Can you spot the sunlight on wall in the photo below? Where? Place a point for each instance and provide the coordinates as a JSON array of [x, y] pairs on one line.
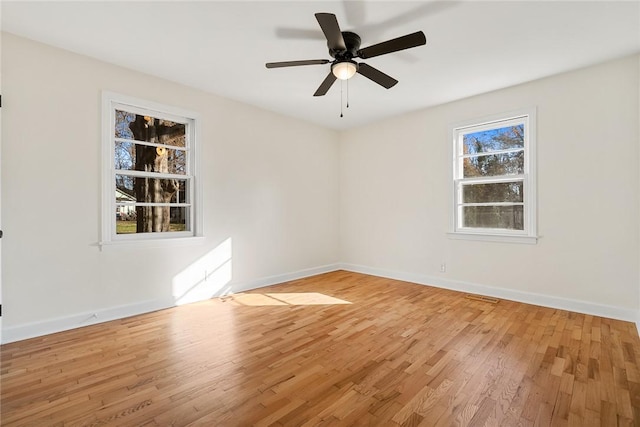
[[205, 278], [296, 298]]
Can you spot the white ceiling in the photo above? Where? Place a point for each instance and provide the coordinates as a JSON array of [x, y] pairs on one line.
[[221, 47]]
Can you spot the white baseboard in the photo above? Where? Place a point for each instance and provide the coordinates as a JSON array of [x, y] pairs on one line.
[[550, 301], [45, 327], [37, 329]]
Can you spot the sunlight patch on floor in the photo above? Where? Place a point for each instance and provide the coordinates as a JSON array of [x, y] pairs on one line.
[[288, 298]]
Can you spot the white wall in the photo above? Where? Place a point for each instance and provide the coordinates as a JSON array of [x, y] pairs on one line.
[[269, 183], [395, 196]]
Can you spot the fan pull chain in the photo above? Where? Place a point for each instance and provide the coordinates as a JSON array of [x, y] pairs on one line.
[[347, 93], [341, 85], [342, 97]]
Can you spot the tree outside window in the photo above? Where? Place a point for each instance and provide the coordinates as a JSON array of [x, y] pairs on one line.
[[151, 174], [493, 186]]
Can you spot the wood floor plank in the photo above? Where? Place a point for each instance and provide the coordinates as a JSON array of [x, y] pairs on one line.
[[337, 349]]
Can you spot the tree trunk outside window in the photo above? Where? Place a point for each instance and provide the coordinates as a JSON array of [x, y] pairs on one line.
[[153, 159]]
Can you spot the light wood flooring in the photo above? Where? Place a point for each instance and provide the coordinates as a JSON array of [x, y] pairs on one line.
[[338, 349]]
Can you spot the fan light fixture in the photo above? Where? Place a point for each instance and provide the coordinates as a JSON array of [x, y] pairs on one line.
[[344, 70]]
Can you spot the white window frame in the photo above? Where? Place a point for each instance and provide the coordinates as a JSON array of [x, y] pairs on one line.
[[110, 103], [529, 233]]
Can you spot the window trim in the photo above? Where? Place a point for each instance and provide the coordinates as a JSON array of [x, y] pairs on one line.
[[110, 102], [529, 234]]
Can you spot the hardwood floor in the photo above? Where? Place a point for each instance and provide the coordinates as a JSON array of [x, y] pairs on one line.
[[337, 349]]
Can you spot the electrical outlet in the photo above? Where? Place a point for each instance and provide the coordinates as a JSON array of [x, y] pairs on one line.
[[443, 267]]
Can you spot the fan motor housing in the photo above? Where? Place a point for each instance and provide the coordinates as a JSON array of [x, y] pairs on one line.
[[352, 43]]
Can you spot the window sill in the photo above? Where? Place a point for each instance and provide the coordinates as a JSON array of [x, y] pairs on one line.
[[151, 243], [530, 240]]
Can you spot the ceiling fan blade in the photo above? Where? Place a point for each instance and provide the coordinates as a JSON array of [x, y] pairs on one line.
[[325, 85], [296, 63], [329, 24], [376, 75], [393, 45]]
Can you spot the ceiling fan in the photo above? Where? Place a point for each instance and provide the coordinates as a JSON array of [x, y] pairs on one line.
[[344, 46]]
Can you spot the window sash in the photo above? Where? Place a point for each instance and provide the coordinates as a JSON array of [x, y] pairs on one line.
[[460, 204]]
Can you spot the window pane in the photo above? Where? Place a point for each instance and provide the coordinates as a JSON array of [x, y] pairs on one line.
[[151, 190], [504, 217], [486, 141], [494, 164], [150, 219], [150, 129], [496, 192], [131, 156], [178, 218], [125, 219], [123, 119]]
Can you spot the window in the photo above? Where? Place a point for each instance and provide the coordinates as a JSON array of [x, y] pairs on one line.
[[150, 183], [493, 178]]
